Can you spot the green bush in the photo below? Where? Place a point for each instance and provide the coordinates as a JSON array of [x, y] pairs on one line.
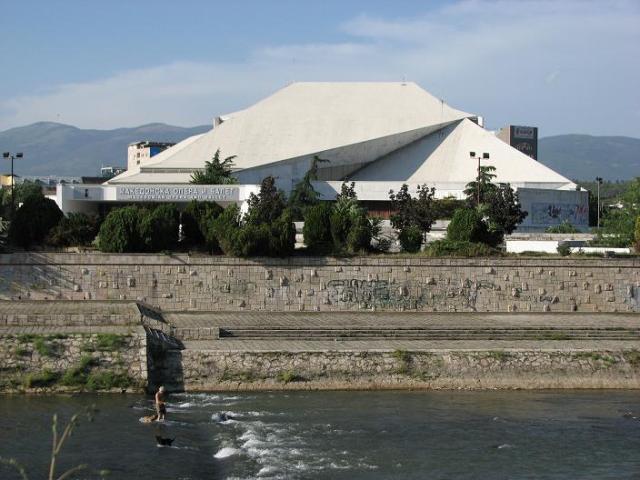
[[197, 224], [120, 231], [282, 239], [564, 249], [467, 226], [564, 227], [445, 248], [46, 378], [359, 236], [43, 347], [317, 228], [638, 234], [159, 228], [107, 380], [33, 221], [410, 239], [74, 230], [226, 228]]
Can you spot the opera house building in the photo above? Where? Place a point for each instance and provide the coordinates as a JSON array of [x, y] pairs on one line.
[[378, 135]]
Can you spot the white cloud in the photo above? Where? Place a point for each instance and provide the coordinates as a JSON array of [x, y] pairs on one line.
[[501, 59]]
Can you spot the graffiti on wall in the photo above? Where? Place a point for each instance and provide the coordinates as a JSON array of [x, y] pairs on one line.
[[371, 293], [555, 213]]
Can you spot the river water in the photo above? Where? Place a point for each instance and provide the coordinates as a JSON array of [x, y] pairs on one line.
[[337, 435]]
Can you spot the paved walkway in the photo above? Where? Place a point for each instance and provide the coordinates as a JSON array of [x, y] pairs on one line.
[[411, 345], [400, 319]]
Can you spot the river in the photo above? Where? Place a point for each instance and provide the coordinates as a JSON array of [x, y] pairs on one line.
[[337, 435]]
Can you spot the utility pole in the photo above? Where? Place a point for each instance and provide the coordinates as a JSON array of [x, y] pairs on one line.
[[599, 182], [13, 180]]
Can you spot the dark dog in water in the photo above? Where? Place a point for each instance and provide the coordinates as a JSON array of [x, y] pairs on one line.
[[164, 442]]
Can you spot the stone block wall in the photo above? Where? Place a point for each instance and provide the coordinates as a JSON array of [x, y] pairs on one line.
[[38, 361], [531, 369], [183, 282]]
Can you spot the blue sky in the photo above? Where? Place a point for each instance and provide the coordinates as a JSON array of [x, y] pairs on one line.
[[568, 67]]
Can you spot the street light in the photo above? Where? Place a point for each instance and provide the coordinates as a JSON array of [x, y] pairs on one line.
[[599, 182], [13, 180], [485, 156]]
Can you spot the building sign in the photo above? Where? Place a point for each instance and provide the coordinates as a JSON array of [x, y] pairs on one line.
[[178, 193], [524, 132]]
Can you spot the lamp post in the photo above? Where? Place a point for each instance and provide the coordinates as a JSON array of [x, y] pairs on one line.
[[13, 180], [485, 156], [599, 182]]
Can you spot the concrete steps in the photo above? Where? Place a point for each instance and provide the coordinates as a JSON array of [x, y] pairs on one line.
[[274, 332]]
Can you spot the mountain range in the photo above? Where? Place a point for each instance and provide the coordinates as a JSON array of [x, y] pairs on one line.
[[63, 150]]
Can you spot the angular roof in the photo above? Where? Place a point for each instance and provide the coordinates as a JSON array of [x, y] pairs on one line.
[[444, 156], [309, 118]]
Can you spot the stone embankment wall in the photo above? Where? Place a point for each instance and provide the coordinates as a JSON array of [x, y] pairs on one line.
[[73, 361], [182, 282], [522, 369]]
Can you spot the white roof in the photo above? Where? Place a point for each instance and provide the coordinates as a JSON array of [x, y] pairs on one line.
[[309, 118], [444, 157]]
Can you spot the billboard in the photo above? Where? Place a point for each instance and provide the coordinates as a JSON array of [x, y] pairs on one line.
[[524, 139]]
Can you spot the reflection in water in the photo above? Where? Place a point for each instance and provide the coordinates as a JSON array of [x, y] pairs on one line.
[[338, 435]]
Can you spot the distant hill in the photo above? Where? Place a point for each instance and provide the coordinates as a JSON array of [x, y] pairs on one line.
[[585, 157], [56, 149]]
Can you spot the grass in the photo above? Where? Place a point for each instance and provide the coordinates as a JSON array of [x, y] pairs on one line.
[[46, 378], [44, 348], [499, 355], [404, 358], [22, 352], [107, 380], [633, 357], [289, 376], [105, 342], [608, 360]]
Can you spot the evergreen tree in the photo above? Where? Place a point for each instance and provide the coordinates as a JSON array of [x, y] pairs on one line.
[[216, 172]]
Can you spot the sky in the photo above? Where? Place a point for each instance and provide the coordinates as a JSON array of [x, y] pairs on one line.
[[565, 66]]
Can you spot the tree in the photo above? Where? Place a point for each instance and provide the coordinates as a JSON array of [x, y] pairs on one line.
[[33, 220], [637, 246], [120, 233], [485, 179], [268, 205], [159, 228], [412, 214], [317, 228], [304, 196], [76, 229], [618, 224], [467, 225], [216, 171], [351, 229], [503, 211], [197, 224]]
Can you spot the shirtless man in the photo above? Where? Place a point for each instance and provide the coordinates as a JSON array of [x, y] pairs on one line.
[[161, 409]]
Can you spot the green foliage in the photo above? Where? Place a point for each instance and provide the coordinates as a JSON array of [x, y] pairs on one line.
[[4, 234], [120, 232], [216, 171], [159, 228], [197, 223], [445, 207], [485, 179], [564, 227], [503, 211], [43, 347], [317, 228], [467, 226], [108, 380], [449, 248], [289, 376], [266, 230], [564, 249], [618, 224], [77, 376], [105, 342], [75, 229], [637, 235], [304, 196], [419, 212], [33, 220], [351, 229], [44, 379], [410, 239]]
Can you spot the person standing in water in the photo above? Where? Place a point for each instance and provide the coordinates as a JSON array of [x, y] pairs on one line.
[[161, 409]]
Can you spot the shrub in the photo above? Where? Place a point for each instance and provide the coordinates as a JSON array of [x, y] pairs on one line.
[[33, 221], [564, 249], [444, 248], [159, 228], [74, 229], [46, 378], [282, 239], [359, 236], [410, 239], [637, 246], [317, 228], [43, 347], [120, 231], [564, 227], [467, 226], [106, 380], [197, 221]]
